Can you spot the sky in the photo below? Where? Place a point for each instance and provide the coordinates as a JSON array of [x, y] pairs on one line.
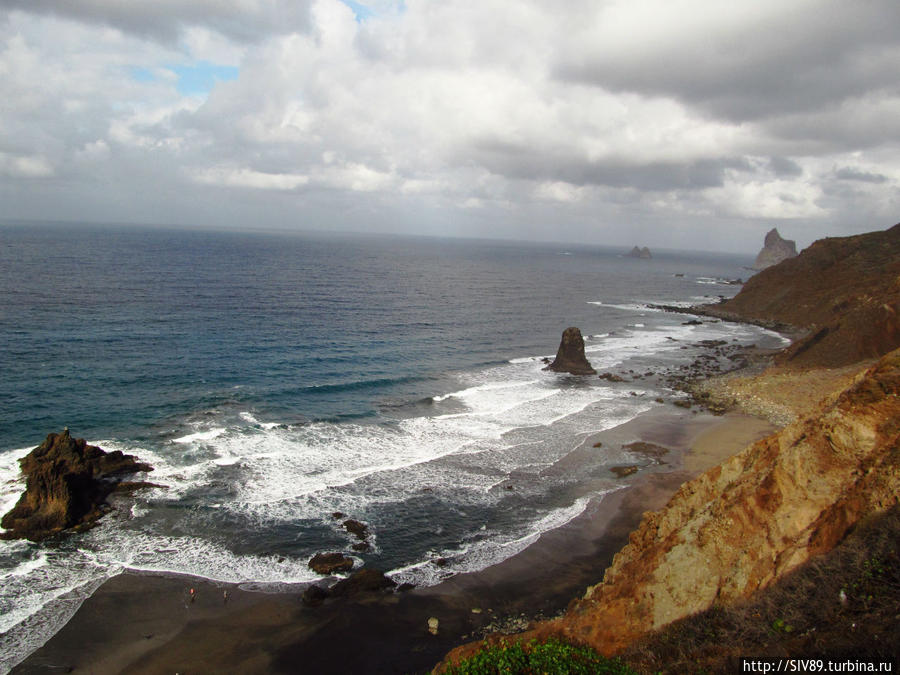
[[664, 123]]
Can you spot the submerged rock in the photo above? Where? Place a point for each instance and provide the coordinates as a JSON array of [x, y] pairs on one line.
[[356, 528], [570, 356], [66, 486]]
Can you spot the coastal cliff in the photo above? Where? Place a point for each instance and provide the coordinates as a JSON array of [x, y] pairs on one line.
[[748, 522], [845, 291], [751, 520]]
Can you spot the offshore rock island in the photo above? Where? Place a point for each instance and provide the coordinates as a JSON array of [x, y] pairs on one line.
[[570, 356], [774, 250], [67, 484]]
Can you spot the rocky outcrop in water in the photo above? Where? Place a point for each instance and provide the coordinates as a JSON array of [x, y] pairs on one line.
[[774, 250], [640, 253], [330, 563], [844, 290], [570, 356], [67, 483]]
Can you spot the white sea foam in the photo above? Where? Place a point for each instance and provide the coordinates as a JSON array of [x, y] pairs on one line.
[[12, 483], [628, 306], [486, 548], [200, 436]]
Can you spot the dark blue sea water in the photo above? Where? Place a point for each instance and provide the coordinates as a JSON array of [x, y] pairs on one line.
[[273, 379]]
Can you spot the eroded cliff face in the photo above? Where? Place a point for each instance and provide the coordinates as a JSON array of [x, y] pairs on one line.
[[749, 521]]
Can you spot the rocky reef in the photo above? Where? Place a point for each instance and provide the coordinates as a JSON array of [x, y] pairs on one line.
[[66, 487], [774, 250], [570, 356]]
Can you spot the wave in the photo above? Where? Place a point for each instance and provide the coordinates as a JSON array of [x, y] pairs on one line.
[[356, 385], [237, 485]]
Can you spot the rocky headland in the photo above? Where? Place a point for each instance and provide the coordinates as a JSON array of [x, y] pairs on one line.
[[67, 483], [844, 292], [774, 250]]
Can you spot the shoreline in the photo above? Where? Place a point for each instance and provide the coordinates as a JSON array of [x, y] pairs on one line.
[[138, 622]]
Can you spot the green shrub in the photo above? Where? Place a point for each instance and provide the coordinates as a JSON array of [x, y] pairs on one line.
[[539, 658]]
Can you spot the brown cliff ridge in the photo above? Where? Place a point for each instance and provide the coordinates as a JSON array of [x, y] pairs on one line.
[[744, 524], [844, 290], [774, 250], [570, 356], [67, 483]]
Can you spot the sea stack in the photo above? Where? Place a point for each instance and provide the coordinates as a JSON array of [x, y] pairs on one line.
[[570, 356], [640, 253], [774, 250], [67, 482]]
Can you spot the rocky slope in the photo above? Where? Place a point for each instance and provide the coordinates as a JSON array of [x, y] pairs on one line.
[[746, 523], [844, 290], [67, 483], [774, 250]]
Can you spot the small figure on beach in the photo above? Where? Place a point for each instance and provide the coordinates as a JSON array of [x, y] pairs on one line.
[[193, 595], [225, 597]]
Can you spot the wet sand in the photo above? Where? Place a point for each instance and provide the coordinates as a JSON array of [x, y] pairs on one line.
[[147, 623]]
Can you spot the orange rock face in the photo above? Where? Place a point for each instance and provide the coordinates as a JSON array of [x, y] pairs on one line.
[[749, 521]]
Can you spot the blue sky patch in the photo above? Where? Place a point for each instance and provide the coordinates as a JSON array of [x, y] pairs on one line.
[[360, 11], [197, 78], [201, 77]]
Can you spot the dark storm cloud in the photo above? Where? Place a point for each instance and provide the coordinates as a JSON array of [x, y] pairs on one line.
[[802, 59], [850, 173], [520, 162], [165, 19], [782, 166]]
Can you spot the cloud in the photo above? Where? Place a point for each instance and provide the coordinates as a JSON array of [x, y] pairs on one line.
[[852, 173], [680, 118], [167, 20]]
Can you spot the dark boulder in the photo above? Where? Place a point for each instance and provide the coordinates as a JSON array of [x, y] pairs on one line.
[[67, 482], [356, 528], [330, 563], [570, 356], [314, 596], [363, 581]]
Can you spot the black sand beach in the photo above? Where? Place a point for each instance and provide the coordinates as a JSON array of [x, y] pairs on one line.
[[147, 623]]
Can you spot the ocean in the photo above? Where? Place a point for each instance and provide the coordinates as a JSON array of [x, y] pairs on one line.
[[275, 379]]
